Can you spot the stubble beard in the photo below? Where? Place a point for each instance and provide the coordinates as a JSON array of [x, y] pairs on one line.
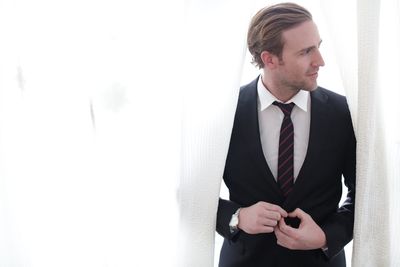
[[302, 85], [297, 85]]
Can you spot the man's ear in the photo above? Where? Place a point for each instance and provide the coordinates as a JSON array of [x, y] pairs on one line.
[[270, 60]]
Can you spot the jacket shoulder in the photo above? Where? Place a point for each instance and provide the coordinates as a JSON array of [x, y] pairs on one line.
[[248, 91], [333, 99], [330, 94]]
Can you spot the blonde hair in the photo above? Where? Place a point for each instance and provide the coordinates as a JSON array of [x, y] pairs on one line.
[[267, 25]]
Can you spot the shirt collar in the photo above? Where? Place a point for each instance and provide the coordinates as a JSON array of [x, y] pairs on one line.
[[266, 98]]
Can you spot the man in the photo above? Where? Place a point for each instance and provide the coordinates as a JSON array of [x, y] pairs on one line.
[[291, 143]]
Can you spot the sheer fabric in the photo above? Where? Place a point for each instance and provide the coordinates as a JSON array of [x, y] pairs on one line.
[[215, 50], [89, 132], [378, 168]]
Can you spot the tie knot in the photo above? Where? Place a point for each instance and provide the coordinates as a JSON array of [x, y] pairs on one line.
[[286, 108]]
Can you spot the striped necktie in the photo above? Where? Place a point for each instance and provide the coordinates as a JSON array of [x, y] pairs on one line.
[[286, 141]]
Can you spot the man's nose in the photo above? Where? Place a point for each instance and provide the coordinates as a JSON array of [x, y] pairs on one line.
[[318, 60]]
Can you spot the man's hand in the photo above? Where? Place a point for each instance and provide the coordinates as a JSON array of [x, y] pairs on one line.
[[261, 217], [308, 236]]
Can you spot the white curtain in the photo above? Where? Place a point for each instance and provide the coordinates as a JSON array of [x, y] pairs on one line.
[[214, 53], [89, 132], [378, 163]]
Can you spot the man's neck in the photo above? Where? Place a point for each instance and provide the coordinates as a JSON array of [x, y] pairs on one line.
[[281, 93]]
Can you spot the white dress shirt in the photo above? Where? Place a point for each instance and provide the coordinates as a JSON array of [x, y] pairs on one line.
[[270, 119]]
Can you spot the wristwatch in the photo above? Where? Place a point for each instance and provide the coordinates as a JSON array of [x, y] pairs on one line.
[[234, 222]]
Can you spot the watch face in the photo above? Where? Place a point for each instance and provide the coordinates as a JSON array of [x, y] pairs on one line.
[[234, 221], [233, 225]]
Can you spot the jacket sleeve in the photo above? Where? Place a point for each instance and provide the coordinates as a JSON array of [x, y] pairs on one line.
[[339, 227], [226, 209]]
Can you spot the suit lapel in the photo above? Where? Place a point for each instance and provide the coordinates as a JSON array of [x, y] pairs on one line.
[[251, 130]]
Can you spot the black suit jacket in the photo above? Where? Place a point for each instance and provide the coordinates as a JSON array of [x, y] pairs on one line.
[[331, 153]]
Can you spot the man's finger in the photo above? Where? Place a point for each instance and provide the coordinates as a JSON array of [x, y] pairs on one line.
[[272, 215], [281, 238], [269, 222], [273, 207], [288, 230]]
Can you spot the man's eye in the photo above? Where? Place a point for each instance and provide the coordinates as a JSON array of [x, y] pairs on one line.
[[307, 51]]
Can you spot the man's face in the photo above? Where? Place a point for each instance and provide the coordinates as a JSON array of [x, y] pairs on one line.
[[301, 58]]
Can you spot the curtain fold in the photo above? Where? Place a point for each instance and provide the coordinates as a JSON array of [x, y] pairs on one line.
[[377, 200], [214, 53]]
